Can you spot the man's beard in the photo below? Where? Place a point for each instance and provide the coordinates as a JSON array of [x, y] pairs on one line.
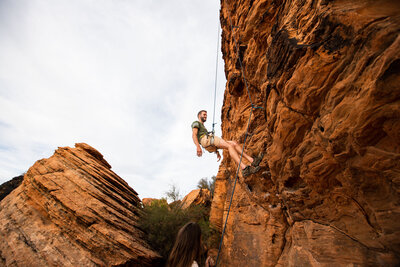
[[203, 119]]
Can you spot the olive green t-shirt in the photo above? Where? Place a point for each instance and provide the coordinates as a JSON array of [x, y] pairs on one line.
[[202, 129]]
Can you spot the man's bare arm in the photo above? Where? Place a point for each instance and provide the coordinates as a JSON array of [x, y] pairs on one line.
[[196, 142]]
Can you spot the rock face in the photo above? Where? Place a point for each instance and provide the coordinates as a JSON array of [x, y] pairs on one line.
[[197, 197], [72, 210], [327, 76], [7, 187]]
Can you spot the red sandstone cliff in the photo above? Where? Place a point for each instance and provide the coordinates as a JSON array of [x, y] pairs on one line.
[[72, 210], [327, 74]]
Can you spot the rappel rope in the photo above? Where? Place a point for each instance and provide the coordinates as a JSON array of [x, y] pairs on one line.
[[246, 134], [212, 133], [216, 81]]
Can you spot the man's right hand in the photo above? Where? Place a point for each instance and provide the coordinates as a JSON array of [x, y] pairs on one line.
[[199, 151], [210, 262]]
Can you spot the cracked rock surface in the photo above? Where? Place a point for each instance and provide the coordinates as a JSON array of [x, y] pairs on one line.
[[72, 210], [327, 75]]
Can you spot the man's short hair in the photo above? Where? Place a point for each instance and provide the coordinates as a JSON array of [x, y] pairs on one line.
[[198, 114]]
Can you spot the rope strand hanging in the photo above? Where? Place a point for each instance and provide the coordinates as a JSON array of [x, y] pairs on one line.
[[216, 81]]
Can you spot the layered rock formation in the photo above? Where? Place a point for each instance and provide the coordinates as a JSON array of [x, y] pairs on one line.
[[72, 210], [327, 75]]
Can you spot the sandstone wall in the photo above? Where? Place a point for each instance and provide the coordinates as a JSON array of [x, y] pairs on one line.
[[72, 210], [327, 74]]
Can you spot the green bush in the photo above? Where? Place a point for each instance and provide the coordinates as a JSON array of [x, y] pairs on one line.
[[161, 223]]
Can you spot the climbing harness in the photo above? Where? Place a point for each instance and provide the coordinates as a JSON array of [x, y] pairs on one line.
[[212, 137], [211, 143], [246, 134]]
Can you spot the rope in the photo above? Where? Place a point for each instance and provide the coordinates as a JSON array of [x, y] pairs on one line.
[[233, 189], [216, 79], [245, 137]]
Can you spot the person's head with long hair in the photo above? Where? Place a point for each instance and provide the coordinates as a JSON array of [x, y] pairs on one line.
[[187, 247]]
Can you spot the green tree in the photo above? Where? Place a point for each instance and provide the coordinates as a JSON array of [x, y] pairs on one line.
[[173, 193]]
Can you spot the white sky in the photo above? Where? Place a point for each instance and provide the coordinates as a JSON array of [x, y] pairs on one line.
[[124, 76]]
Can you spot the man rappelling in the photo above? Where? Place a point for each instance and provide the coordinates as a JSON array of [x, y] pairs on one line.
[[212, 143]]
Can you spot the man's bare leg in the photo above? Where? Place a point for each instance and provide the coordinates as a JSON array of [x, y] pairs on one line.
[[232, 152], [239, 150]]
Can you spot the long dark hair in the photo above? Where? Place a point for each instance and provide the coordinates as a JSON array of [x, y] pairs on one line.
[[187, 247]]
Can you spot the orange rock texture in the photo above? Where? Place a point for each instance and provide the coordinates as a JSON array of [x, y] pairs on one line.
[[327, 76], [72, 210], [197, 197]]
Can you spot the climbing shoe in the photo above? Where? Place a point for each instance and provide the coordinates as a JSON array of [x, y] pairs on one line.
[[254, 169], [246, 171], [257, 160], [250, 170]]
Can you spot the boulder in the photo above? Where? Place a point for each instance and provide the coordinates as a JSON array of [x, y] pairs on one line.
[[72, 210], [150, 201], [197, 197]]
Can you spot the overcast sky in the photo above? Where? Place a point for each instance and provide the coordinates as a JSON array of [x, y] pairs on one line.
[[124, 76]]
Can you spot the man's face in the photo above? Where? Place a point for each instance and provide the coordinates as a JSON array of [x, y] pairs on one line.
[[203, 116]]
